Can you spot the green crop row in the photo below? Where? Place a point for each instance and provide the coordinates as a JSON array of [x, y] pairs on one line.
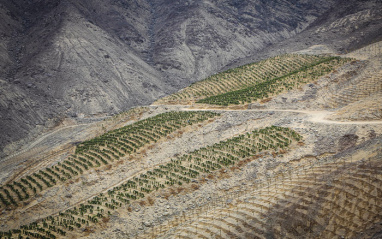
[[102, 150], [277, 85], [242, 77], [179, 171]]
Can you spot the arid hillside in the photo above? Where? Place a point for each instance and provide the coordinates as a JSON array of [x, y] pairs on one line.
[[63, 60], [278, 148]]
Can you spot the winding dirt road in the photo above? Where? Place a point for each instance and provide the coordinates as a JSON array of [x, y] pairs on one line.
[[313, 116]]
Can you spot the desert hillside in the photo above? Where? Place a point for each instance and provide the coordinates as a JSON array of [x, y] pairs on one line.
[[66, 60], [285, 147]]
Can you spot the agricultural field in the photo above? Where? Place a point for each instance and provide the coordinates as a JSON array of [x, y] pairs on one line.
[[269, 88], [181, 170], [326, 199], [97, 152], [306, 164], [255, 81]]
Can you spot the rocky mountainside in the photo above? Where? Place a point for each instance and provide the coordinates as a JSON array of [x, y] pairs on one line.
[[65, 58], [285, 147]]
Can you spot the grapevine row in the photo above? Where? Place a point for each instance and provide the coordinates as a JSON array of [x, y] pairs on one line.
[[241, 77], [277, 85], [102, 150], [181, 170]]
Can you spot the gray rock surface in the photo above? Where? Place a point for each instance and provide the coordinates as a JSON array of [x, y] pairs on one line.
[[63, 58]]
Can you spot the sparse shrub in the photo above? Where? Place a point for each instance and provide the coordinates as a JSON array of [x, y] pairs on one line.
[[194, 186], [150, 201]]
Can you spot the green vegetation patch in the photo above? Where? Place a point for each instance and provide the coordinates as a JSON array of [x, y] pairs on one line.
[[181, 170], [277, 85], [242, 77], [100, 151]]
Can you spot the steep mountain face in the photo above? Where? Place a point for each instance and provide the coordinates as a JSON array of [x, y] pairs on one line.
[[24, 108], [62, 58], [345, 26], [204, 36]]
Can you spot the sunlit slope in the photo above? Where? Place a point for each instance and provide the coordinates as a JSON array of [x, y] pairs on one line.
[[255, 81], [182, 170], [327, 200], [103, 150]]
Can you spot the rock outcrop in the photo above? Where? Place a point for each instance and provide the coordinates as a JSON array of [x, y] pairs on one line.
[[62, 58]]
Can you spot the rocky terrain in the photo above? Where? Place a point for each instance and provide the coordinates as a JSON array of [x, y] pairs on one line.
[[337, 159], [302, 160], [66, 59]]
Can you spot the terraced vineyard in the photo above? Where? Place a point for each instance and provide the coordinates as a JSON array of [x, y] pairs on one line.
[[369, 108], [181, 170], [287, 71], [336, 199], [193, 173], [368, 84], [102, 150], [275, 86]]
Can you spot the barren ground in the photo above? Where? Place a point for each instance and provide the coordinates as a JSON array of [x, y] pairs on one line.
[[327, 144]]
